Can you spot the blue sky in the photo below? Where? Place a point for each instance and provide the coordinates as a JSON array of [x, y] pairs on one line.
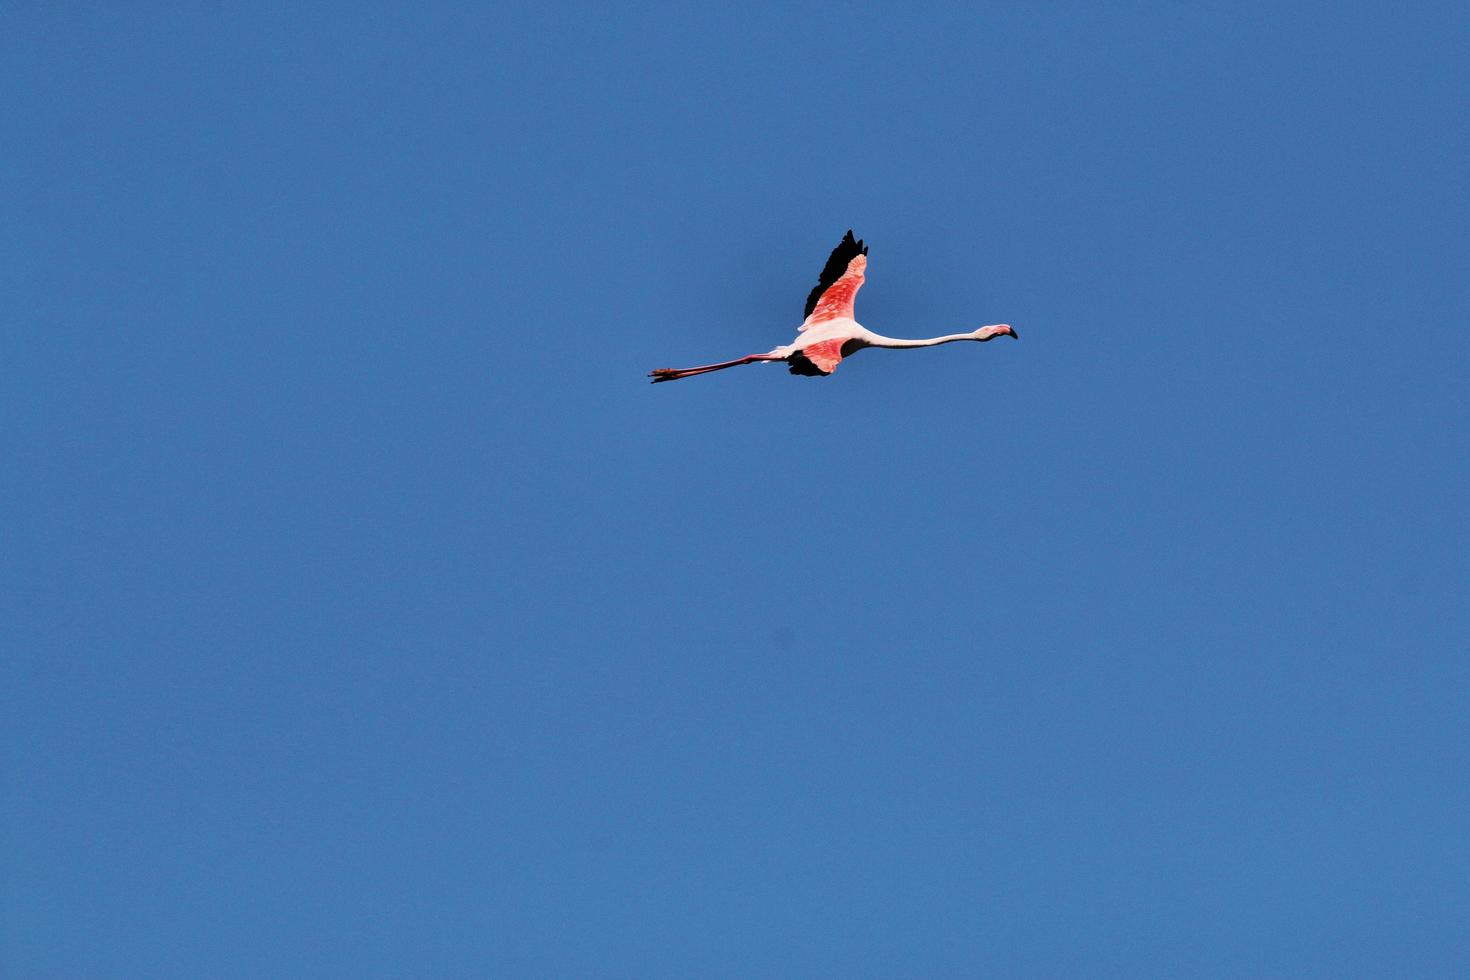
[[367, 614]]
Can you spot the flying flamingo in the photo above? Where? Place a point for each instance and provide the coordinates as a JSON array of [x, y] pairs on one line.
[[829, 332]]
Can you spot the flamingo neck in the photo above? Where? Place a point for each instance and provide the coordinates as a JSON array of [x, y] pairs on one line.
[[879, 341]]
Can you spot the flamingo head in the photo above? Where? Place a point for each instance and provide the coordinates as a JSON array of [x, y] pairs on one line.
[[996, 330]]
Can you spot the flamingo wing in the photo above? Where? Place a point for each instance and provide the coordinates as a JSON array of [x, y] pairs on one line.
[[815, 360], [837, 287]]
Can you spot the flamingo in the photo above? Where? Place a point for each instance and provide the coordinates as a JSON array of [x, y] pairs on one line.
[[829, 333]]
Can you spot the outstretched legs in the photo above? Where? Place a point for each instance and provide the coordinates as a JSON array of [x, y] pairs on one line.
[[674, 374]]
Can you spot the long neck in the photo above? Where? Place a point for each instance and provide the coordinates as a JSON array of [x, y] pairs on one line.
[[880, 341]]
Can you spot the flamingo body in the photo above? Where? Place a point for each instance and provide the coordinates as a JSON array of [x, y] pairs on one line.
[[829, 333]]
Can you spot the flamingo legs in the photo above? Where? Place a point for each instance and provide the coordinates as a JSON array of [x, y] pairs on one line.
[[674, 374]]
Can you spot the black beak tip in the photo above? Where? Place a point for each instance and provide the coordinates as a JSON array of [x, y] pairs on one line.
[[1014, 334]]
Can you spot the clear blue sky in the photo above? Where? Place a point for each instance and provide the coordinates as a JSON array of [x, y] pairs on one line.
[[367, 614]]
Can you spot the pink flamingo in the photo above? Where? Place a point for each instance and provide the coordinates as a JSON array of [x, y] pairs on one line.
[[829, 333]]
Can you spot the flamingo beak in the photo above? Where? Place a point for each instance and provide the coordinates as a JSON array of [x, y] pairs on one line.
[[1014, 335]]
